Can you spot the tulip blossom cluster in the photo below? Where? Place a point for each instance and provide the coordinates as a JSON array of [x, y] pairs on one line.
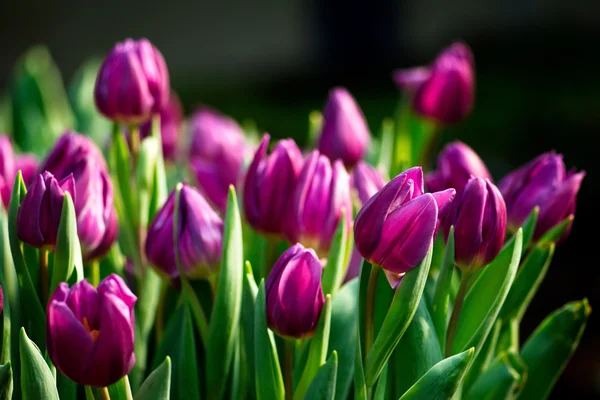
[[130, 275]]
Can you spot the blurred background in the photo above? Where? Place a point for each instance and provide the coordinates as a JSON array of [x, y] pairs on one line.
[[274, 61]]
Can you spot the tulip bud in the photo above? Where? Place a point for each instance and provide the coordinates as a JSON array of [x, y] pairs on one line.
[[7, 169], [133, 82], [345, 134], [316, 204], [366, 180], [396, 227], [70, 149], [456, 164], [90, 332], [28, 165], [542, 182], [269, 182], [478, 215], [40, 210], [217, 155], [200, 236], [294, 295], [171, 119], [444, 91]]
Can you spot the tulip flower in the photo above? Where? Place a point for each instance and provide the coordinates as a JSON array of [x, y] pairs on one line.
[[456, 164], [397, 226], [133, 82], [294, 295], [444, 91], [200, 237], [171, 119], [542, 182], [90, 332], [217, 155], [269, 182], [7, 169], [40, 210], [478, 215], [70, 149], [366, 181], [316, 204], [28, 165], [345, 134]]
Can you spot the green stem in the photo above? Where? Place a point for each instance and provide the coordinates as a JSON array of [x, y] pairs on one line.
[[44, 278], [128, 393], [95, 267], [89, 393], [197, 312], [288, 369], [103, 393], [370, 308], [433, 138], [458, 303], [134, 133], [160, 312]]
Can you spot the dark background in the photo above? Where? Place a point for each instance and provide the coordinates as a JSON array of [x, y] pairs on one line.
[[538, 86]]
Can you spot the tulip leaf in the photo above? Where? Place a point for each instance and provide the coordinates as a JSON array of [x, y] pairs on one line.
[[529, 228], [248, 300], [239, 377], [360, 385], [528, 280], [67, 253], [503, 379], [269, 382], [32, 311], [158, 384], [334, 272], [228, 303], [37, 382], [342, 337], [549, 348], [323, 385], [486, 296], [442, 380], [441, 298], [484, 357], [417, 351], [556, 232], [383, 158], [400, 314], [120, 390], [6, 382], [179, 344], [317, 352], [144, 177], [160, 175]]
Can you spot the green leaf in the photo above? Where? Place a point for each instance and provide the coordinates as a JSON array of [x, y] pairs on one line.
[[317, 353], [441, 298], [67, 253], [384, 156], [120, 390], [554, 234], [503, 379], [32, 312], [400, 314], [144, 177], [323, 385], [484, 358], [382, 384], [528, 280], [417, 351], [334, 272], [248, 300], [549, 348], [158, 384], [442, 380], [179, 344], [529, 228], [342, 337], [67, 389], [486, 297], [360, 385], [238, 382], [6, 382], [37, 382], [228, 303], [269, 382]]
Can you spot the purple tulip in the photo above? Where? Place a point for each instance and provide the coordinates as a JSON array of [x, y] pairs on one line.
[[456, 164], [90, 332], [40, 210], [171, 119], [478, 215], [396, 227], [269, 182], [217, 155], [133, 82], [294, 294], [542, 182], [316, 204], [445, 91], [200, 236], [28, 165], [366, 181], [7, 169], [345, 134], [97, 225]]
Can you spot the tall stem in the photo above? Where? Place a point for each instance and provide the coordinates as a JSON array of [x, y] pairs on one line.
[[103, 393], [370, 308], [288, 369], [44, 279], [95, 267], [458, 303], [134, 132]]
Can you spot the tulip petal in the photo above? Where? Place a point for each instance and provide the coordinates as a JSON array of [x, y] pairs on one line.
[[83, 300]]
